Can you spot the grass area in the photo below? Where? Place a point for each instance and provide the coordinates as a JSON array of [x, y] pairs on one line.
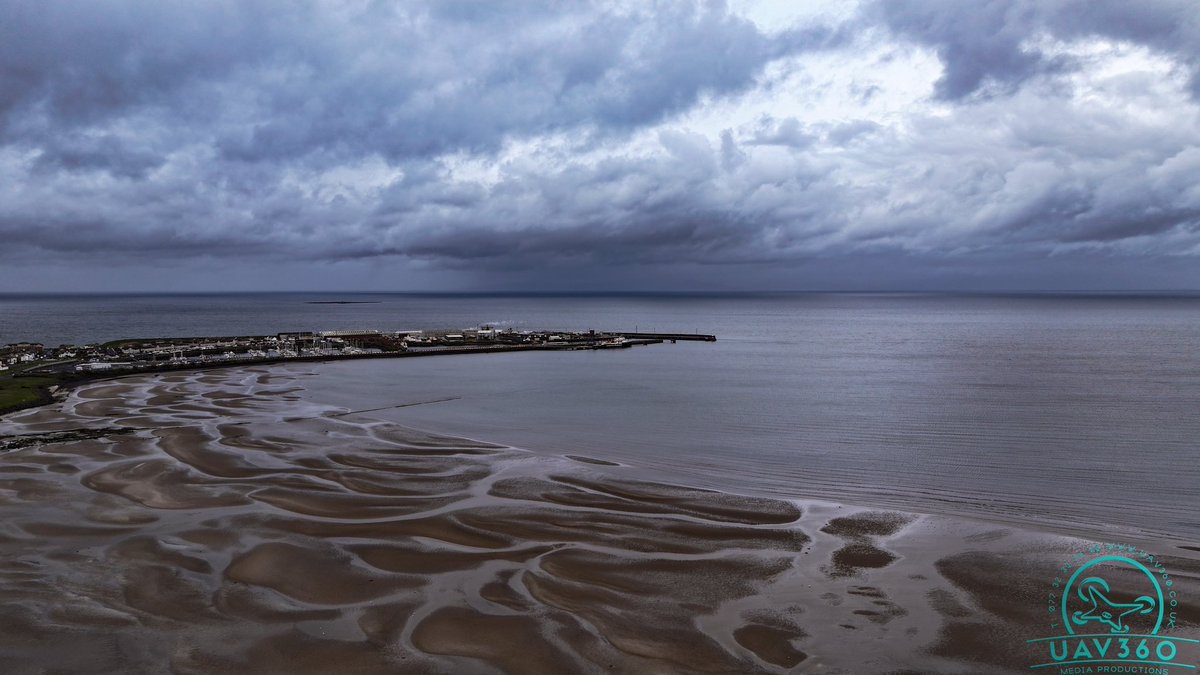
[[18, 392], [22, 392]]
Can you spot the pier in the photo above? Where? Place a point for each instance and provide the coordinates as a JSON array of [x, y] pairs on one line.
[[694, 337]]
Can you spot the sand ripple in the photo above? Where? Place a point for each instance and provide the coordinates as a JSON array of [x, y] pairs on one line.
[[217, 522]]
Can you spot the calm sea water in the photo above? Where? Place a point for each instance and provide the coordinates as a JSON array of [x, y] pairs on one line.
[[1081, 411]]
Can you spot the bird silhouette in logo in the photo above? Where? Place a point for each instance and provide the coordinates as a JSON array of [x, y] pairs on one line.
[[1094, 590]]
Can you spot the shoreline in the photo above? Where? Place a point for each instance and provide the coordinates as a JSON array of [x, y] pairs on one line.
[[706, 480], [58, 393], [245, 528], [75, 377], [1065, 529]]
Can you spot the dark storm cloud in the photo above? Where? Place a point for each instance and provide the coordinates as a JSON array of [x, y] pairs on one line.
[[402, 80], [96, 153], [567, 136], [74, 64], [989, 42], [113, 91]]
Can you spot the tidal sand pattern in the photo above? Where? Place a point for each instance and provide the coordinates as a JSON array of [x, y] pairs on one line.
[[219, 522]]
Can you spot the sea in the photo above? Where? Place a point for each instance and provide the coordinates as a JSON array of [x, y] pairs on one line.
[[1077, 413]]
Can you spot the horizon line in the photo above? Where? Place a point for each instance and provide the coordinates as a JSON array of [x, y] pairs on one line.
[[499, 293]]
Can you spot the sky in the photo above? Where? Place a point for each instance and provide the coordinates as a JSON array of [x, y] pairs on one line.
[[225, 145]]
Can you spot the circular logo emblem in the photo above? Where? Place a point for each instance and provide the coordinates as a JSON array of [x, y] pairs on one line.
[[1113, 608], [1091, 605]]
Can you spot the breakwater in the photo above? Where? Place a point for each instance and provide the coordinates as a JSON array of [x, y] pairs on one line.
[[695, 337]]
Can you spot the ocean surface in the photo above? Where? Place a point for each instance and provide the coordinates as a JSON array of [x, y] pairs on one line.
[[1075, 412]]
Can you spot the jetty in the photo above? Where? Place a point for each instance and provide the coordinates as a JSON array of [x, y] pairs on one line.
[[695, 337]]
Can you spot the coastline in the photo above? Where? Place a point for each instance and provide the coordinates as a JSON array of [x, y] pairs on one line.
[[242, 527], [66, 381], [57, 378]]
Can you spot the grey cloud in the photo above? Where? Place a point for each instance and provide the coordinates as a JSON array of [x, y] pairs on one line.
[[788, 131], [403, 81], [864, 93], [975, 41], [229, 100], [731, 155], [74, 64], [93, 237], [985, 45], [847, 132], [106, 153], [476, 137]]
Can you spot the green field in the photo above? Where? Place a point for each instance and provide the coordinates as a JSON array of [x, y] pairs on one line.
[[22, 392]]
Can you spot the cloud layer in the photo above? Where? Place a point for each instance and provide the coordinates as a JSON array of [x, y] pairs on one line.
[[461, 137]]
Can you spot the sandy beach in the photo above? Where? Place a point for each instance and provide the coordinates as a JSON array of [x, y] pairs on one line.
[[220, 522]]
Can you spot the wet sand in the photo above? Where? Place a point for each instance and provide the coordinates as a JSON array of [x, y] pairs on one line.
[[219, 522]]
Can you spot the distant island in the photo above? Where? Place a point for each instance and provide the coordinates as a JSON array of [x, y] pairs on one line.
[[30, 372]]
